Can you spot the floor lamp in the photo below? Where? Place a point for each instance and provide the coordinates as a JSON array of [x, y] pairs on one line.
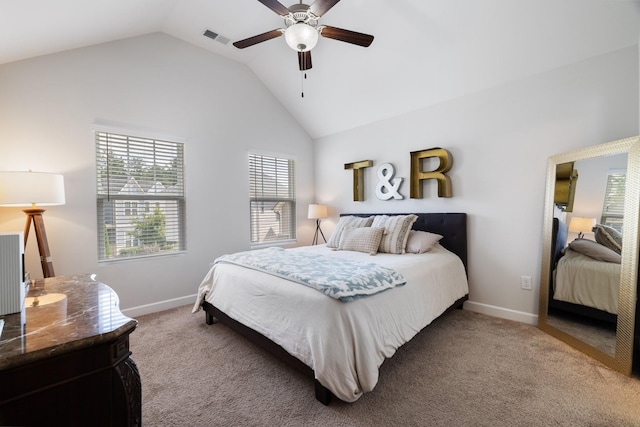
[[33, 189], [318, 212]]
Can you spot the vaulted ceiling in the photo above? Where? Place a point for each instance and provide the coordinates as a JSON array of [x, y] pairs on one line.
[[424, 52]]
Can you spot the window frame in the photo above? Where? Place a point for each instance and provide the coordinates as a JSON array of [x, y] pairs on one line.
[[138, 205], [290, 200]]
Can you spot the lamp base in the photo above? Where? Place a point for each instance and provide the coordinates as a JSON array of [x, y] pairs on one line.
[[318, 231], [35, 215]]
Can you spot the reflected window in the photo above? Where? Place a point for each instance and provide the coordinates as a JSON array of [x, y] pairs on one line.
[[613, 205]]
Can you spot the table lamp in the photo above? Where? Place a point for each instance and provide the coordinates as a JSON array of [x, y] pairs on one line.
[[581, 225], [33, 189], [318, 212]]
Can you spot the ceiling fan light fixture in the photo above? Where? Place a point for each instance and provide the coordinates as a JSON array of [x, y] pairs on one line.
[[301, 37]]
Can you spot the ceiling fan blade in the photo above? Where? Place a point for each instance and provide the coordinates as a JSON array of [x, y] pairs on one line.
[[304, 60], [276, 6], [346, 35], [320, 7], [258, 39]]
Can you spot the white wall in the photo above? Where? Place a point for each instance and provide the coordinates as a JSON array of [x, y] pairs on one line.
[[500, 140], [157, 85]]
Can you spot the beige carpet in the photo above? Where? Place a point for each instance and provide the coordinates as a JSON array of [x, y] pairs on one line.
[[466, 369], [597, 334]]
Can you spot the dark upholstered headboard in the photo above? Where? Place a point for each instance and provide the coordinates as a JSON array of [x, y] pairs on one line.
[[559, 241], [451, 226], [559, 233]]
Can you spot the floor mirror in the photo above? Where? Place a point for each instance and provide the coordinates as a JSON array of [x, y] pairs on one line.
[[589, 272]]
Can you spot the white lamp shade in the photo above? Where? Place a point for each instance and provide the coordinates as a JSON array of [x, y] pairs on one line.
[[318, 211], [31, 188], [581, 225], [301, 37]]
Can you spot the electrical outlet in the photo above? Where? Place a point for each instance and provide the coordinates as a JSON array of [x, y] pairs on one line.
[[525, 282]]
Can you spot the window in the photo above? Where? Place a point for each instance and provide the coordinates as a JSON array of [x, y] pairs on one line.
[[613, 206], [272, 199], [132, 173]]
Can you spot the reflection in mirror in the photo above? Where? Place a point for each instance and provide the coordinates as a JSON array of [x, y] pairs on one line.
[[589, 270], [585, 281], [565, 189]]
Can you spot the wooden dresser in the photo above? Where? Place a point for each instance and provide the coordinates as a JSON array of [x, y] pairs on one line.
[[65, 359]]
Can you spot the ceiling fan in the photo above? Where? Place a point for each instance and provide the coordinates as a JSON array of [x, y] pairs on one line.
[[302, 30]]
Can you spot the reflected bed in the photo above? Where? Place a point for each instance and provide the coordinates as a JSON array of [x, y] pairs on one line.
[[581, 284]]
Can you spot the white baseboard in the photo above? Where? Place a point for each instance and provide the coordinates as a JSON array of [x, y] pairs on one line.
[[490, 310], [503, 313], [159, 306]]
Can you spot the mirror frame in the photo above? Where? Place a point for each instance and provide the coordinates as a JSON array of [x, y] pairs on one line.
[[622, 361]]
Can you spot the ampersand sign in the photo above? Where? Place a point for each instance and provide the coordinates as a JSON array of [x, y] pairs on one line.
[[386, 189]]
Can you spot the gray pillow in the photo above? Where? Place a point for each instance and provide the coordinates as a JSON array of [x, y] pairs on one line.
[[595, 250], [609, 237]]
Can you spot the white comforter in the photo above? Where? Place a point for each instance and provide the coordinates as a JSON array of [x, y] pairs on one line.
[[344, 343]]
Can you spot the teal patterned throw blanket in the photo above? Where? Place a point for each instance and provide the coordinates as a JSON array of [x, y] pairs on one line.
[[338, 278]]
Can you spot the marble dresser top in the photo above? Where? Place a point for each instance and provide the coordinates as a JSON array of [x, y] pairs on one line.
[[61, 314]]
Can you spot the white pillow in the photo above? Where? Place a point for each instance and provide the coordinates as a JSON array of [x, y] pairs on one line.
[[347, 221], [397, 227], [361, 239], [420, 242]]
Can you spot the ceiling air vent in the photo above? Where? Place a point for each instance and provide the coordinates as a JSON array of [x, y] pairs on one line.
[[215, 36]]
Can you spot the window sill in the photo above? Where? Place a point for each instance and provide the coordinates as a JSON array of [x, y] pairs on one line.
[[269, 244]]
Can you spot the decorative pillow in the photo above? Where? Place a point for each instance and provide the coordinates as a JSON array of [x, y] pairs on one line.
[[361, 239], [347, 221], [595, 250], [420, 242], [609, 237], [397, 227]]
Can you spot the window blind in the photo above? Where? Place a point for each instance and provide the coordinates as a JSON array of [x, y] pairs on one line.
[[140, 196], [272, 199], [613, 206]]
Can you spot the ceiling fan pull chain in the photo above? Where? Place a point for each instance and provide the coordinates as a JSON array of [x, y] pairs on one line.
[[302, 83]]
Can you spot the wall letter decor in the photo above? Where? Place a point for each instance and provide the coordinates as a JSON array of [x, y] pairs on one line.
[[417, 175], [566, 181], [358, 177], [386, 189]]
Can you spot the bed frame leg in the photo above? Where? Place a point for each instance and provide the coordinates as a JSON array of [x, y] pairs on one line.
[[209, 319], [323, 394]]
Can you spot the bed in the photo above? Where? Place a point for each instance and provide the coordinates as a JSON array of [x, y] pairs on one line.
[[585, 278], [341, 345]]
